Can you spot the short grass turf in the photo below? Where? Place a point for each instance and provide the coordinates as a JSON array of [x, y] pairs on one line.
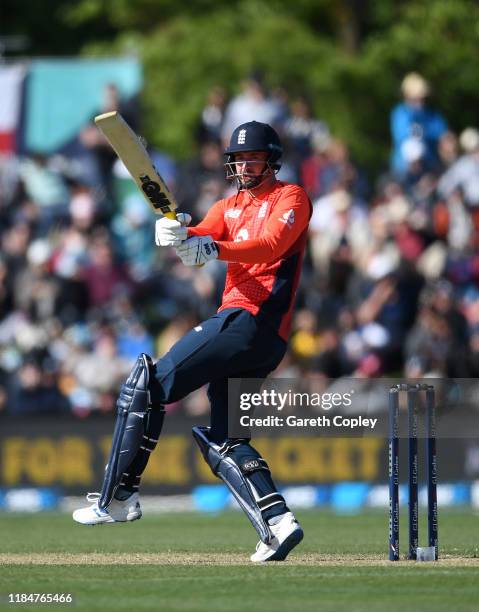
[[201, 562]]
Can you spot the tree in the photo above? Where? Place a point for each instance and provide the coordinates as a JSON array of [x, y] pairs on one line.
[[348, 56]]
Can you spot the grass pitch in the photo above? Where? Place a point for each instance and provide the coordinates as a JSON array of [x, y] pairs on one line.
[[201, 562]]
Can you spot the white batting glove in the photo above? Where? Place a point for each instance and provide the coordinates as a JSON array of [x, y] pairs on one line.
[[197, 250], [171, 232]]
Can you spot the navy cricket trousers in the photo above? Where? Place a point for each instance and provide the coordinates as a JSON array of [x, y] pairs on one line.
[[231, 344]]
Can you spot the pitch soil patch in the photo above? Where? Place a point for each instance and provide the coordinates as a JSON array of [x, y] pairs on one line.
[[178, 558]]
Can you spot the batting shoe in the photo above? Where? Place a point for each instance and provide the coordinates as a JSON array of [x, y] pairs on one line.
[[287, 534], [117, 511]]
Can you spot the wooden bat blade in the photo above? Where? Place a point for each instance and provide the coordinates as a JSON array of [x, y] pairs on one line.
[[129, 148]]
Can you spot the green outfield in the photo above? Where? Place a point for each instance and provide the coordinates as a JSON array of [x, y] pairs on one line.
[[198, 562]]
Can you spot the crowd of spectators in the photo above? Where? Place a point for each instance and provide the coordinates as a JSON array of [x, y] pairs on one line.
[[390, 283]]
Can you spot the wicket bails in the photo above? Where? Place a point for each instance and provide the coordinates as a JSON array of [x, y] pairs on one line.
[[413, 468]]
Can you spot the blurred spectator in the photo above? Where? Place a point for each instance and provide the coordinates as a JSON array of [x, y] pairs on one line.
[[384, 298], [330, 168], [82, 208], [97, 373], [133, 339], [6, 291], [212, 116], [36, 290], [68, 261], [132, 233], [91, 157], [113, 101], [314, 165], [104, 276], [35, 389], [305, 341], [341, 171], [47, 188], [415, 129], [252, 104], [438, 341], [301, 128], [448, 150], [201, 180], [338, 228], [389, 284], [464, 173]]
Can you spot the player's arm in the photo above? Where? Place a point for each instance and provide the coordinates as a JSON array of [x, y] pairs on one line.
[[288, 220], [212, 225]]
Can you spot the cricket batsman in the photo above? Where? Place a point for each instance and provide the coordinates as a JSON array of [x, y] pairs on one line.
[[261, 232]]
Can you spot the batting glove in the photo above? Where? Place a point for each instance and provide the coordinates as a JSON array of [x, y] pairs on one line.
[[197, 250], [171, 232]]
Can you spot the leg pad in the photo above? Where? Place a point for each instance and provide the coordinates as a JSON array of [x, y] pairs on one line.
[[133, 406], [234, 462]]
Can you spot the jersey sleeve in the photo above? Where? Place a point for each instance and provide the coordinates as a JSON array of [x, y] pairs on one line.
[[289, 218], [212, 225]]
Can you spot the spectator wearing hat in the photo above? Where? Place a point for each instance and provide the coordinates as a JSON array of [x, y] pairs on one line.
[[415, 128]]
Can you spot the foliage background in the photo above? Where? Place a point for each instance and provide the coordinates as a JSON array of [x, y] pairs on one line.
[[347, 56]]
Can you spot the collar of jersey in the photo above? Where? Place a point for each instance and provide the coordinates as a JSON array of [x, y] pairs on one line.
[[257, 198]]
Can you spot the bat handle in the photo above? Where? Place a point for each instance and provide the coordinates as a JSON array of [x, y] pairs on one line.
[[172, 215]]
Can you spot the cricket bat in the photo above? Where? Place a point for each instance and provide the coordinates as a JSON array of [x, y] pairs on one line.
[[132, 152]]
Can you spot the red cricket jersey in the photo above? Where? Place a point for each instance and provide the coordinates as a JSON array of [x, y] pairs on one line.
[[263, 238]]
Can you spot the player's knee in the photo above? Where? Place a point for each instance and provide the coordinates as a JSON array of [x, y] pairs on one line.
[[137, 392], [134, 393]]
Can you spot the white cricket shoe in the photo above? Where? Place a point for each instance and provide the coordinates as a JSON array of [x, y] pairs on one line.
[[287, 534], [117, 512]]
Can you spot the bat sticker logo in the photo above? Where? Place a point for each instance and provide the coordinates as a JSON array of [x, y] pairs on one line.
[[154, 193]]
